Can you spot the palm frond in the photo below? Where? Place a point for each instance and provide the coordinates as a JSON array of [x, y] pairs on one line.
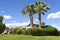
[[48, 8], [43, 13]]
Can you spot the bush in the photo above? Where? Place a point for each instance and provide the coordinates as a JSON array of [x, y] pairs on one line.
[[33, 31], [17, 31], [24, 31], [46, 30], [49, 30]]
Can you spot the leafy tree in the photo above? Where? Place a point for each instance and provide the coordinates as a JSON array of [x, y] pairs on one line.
[[1, 19], [2, 26]]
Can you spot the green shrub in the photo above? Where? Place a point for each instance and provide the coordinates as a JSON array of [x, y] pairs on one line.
[[24, 31], [50, 30], [33, 31], [46, 30], [17, 31]]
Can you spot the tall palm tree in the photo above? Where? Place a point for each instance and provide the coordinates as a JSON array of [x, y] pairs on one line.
[[40, 8], [29, 9]]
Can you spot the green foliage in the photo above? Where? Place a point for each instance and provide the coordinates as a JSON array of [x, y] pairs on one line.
[[17, 31], [33, 31], [41, 6], [1, 18], [24, 31], [46, 30], [50, 30], [2, 26], [28, 8]]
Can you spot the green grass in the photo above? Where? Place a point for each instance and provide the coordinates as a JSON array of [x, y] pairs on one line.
[[28, 37]]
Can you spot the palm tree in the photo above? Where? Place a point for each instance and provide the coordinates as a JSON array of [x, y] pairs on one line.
[[29, 9], [40, 8]]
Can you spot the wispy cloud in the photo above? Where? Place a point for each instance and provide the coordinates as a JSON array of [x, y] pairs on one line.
[[36, 21], [53, 15], [14, 23], [7, 16], [25, 23]]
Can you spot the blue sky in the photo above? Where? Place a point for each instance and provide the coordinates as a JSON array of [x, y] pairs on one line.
[[11, 11]]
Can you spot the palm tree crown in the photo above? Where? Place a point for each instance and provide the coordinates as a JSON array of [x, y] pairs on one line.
[[37, 7], [40, 8], [29, 9]]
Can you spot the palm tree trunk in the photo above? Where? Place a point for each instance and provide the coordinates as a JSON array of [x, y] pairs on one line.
[[39, 18], [31, 19]]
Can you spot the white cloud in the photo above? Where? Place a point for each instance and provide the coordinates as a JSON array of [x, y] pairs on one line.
[[53, 15], [36, 20], [13, 21], [7, 16], [12, 24], [25, 23], [17, 24]]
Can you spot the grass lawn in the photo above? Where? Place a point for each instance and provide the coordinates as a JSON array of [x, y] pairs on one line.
[[28, 37]]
